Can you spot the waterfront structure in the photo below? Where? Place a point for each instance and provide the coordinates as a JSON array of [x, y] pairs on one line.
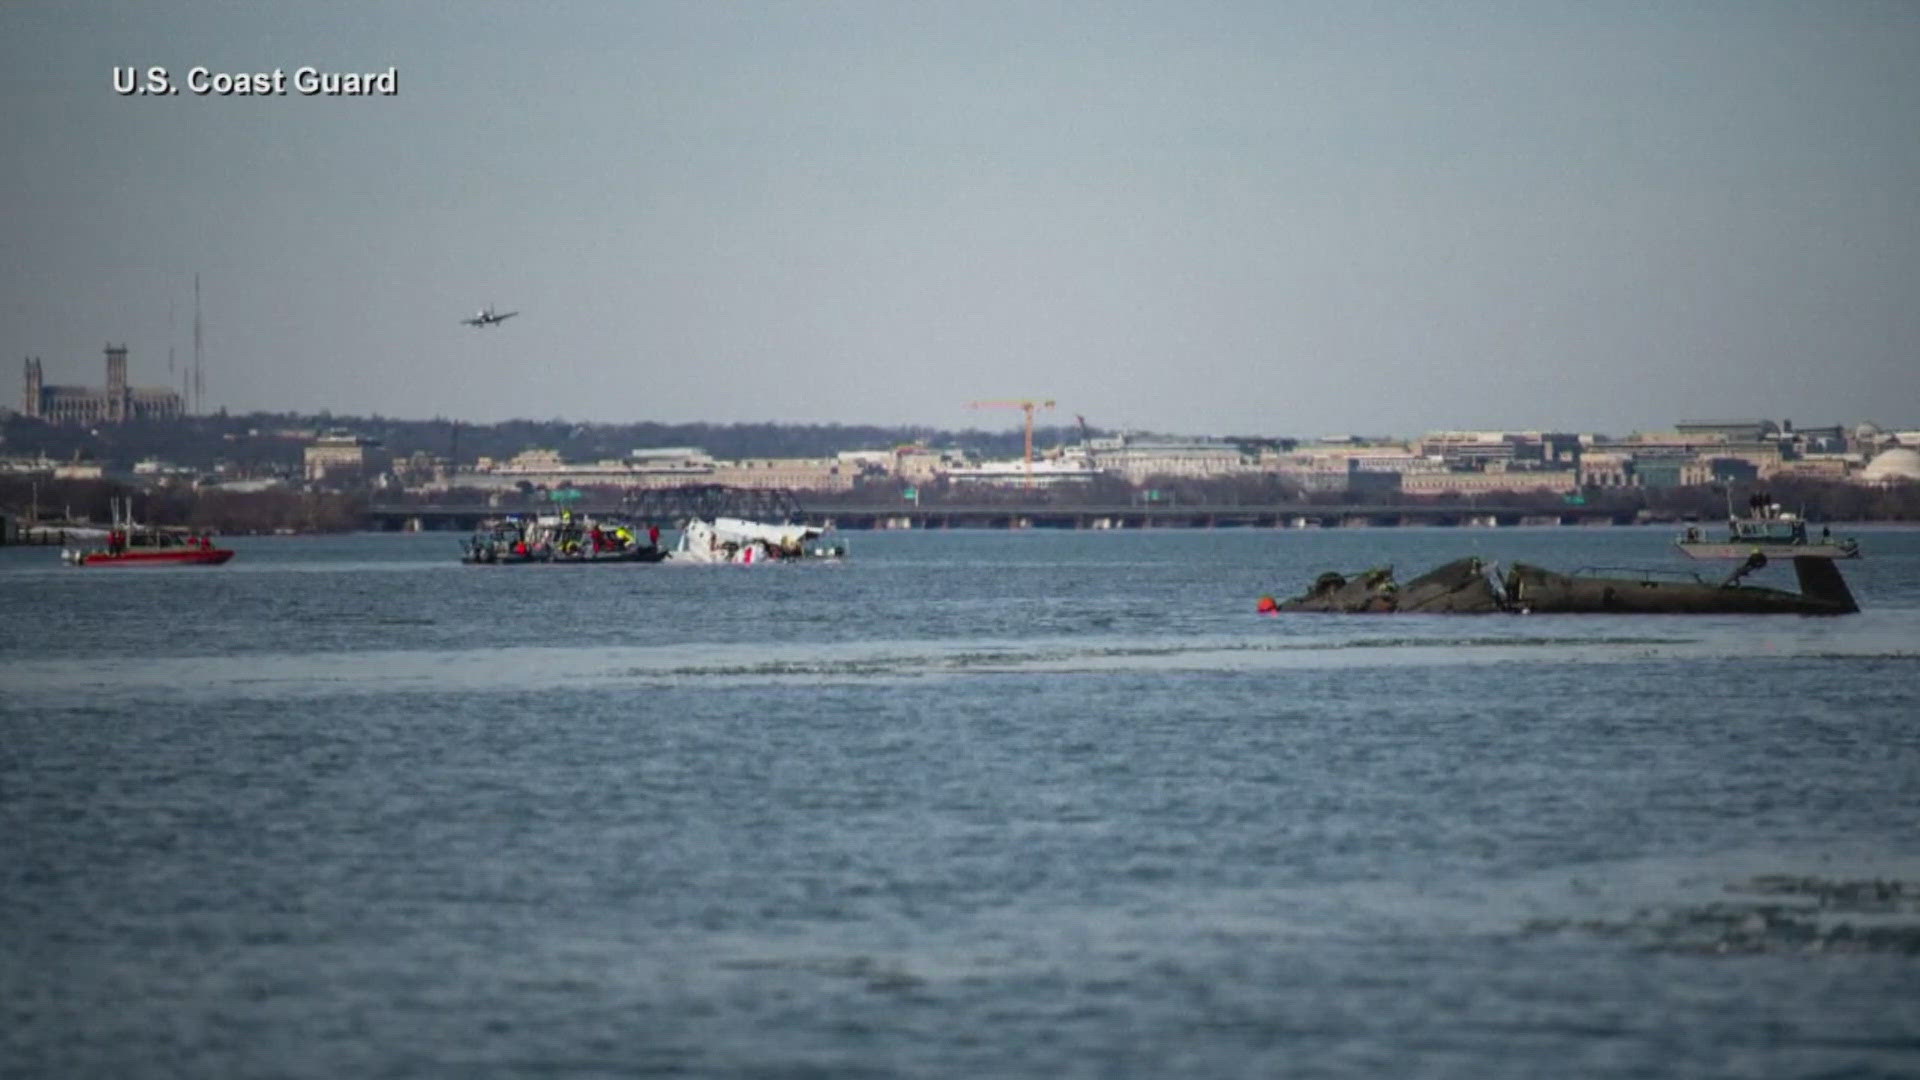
[[153, 470], [1898, 464], [546, 468], [1474, 449], [1401, 462], [27, 465], [114, 403], [1729, 430], [341, 456], [1606, 469], [539, 467], [1138, 459], [1820, 466], [789, 474], [1494, 480], [688, 461], [1044, 472], [1701, 454], [918, 464], [1459, 463], [1479, 449], [423, 469], [1469, 463], [667, 467], [1671, 470], [1831, 439], [1330, 465]]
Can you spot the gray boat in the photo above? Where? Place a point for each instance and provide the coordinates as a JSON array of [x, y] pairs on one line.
[[1768, 530]]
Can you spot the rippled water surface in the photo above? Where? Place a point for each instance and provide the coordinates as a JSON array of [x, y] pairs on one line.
[[970, 804]]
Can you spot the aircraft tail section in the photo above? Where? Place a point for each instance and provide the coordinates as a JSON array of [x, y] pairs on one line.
[[1820, 580]]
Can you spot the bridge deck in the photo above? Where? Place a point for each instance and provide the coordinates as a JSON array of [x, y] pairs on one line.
[[394, 516]]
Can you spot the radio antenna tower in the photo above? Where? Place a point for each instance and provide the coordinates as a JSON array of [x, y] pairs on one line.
[[198, 399]]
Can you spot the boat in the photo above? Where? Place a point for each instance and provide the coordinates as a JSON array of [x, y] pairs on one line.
[[560, 539], [1767, 529], [1473, 587], [129, 543], [738, 540]]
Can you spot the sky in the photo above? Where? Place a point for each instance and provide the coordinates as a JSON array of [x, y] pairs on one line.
[[1259, 218]]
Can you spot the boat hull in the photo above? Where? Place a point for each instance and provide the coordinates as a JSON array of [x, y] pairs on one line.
[[197, 557], [605, 558], [1726, 549]]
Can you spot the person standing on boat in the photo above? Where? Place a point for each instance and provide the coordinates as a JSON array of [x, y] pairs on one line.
[[653, 534]]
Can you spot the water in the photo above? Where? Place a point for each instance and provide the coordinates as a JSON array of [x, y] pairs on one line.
[[970, 804]]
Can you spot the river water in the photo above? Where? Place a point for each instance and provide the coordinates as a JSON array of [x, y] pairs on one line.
[[969, 804]]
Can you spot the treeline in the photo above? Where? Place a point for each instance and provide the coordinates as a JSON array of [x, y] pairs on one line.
[[274, 443], [211, 509], [1105, 490], [231, 511], [1817, 500]]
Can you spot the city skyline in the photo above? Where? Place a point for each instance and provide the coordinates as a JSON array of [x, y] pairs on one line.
[[96, 397], [35, 381], [1236, 219]]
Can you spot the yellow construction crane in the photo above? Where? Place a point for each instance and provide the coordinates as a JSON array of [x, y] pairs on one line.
[[1026, 405]]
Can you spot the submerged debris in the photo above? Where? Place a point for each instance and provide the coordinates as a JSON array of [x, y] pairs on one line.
[[1472, 587], [1802, 916], [1461, 586], [1874, 895]]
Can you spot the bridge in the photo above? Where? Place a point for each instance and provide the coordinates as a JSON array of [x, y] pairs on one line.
[[395, 516]]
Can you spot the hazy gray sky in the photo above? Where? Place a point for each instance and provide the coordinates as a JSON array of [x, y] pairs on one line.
[[1248, 218]]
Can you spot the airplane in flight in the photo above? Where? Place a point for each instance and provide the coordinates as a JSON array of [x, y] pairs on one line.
[[488, 318]]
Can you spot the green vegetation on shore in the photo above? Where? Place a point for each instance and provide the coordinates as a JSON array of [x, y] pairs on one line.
[[297, 510], [273, 442]]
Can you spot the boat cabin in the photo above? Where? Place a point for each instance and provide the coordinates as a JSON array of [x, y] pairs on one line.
[[1776, 530]]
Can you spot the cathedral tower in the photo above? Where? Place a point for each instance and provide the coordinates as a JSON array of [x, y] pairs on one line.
[[118, 400], [30, 399]]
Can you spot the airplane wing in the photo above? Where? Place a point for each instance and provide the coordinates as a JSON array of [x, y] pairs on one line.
[[503, 317]]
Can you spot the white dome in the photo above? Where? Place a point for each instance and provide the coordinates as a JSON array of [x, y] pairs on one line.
[[1898, 463]]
